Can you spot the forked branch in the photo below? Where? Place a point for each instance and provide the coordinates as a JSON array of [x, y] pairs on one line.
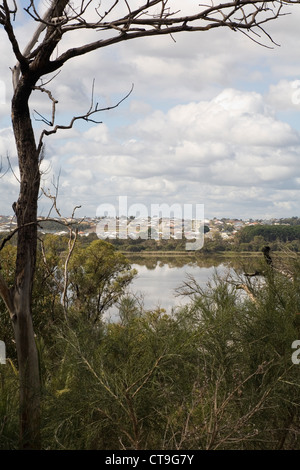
[[93, 109]]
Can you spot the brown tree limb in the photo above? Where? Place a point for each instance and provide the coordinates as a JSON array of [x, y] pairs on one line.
[[86, 117], [71, 245], [54, 102]]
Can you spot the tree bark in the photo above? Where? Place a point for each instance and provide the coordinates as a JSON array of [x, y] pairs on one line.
[[26, 214], [19, 298]]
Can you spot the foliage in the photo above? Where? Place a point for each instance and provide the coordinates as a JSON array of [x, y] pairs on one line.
[[270, 233], [98, 277], [215, 374], [8, 257], [8, 406]]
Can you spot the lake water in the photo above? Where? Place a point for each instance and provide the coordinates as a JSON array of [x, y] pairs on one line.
[[158, 285], [157, 281]]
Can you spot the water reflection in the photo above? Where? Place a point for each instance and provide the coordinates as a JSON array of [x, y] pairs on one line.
[[152, 262], [158, 277], [157, 285]]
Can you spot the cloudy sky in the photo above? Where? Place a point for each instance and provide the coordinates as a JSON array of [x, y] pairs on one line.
[[213, 119]]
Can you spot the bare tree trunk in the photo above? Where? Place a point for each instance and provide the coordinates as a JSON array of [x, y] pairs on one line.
[[28, 374], [26, 213]]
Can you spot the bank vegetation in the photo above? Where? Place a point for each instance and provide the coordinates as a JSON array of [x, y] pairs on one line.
[[219, 373]]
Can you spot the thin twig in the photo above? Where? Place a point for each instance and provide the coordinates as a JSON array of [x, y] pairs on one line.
[[92, 110]]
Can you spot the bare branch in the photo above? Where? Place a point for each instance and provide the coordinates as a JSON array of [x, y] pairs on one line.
[[6, 239], [3, 174], [151, 18], [54, 102], [144, 21], [53, 198], [247, 289], [5, 19], [11, 168], [71, 246], [86, 117], [48, 271], [11, 234]]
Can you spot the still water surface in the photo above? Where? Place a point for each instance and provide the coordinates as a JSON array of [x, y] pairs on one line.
[[157, 281], [158, 285]]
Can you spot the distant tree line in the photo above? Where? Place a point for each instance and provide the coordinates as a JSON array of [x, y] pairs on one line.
[[270, 233], [250, 238], [290, 220]]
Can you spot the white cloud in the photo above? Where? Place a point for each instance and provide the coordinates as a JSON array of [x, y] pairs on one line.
[[285, 95], [7, 143], [225, 151], [204, 123]]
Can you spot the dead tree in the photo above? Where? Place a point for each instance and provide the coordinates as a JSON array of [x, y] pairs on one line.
[[113, 21]]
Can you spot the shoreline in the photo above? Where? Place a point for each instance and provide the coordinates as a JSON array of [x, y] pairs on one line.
[[194, 254]]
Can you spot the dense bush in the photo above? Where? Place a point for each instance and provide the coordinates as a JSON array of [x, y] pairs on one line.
[[270, 233], [215, 374]]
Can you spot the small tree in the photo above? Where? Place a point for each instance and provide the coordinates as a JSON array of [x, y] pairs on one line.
[[98, 277], [114, 21]]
